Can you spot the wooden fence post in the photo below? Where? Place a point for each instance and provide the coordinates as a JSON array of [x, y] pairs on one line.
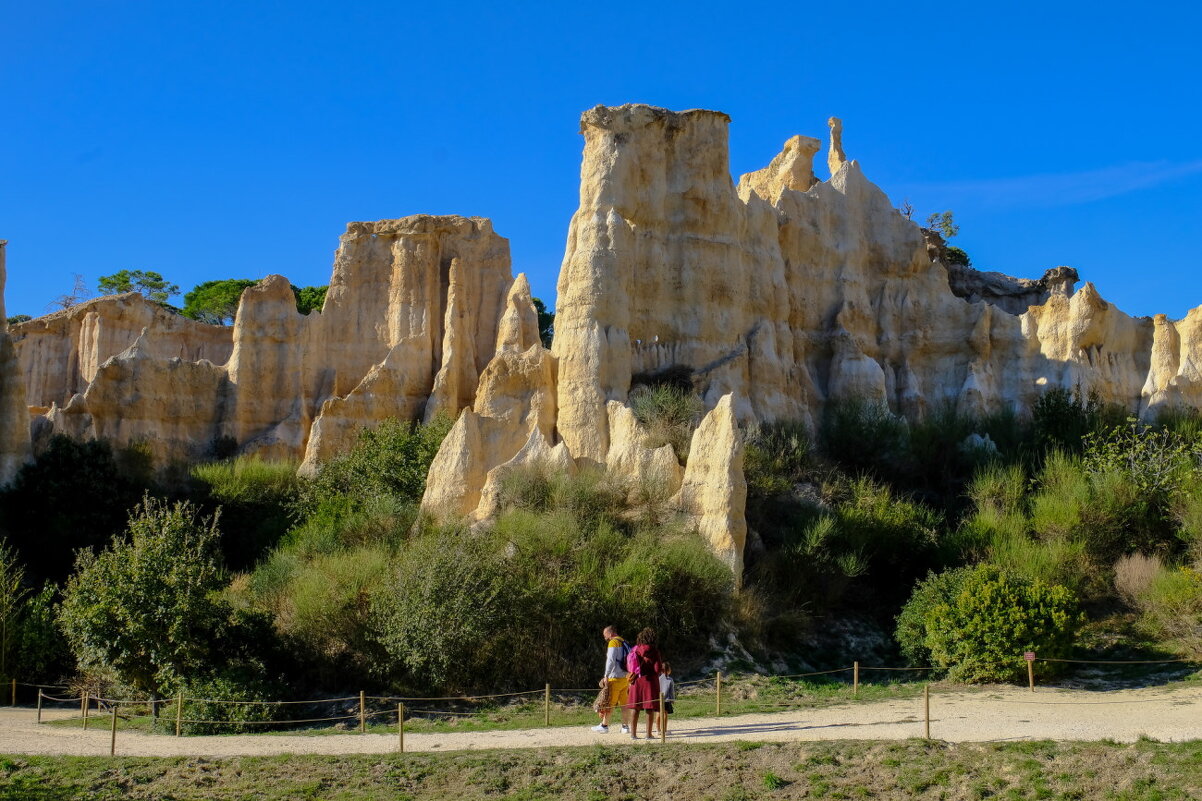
[[718, 699], [113, 734], [83, 708], [547, 705], [39, 705], [400, 727], [855, 680], [14, 692], [926, 702], [362, 712], [179, 714]]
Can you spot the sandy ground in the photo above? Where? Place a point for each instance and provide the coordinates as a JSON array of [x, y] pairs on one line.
[[1001, 714]]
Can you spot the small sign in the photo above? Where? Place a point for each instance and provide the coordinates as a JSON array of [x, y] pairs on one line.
[[1029, 656]]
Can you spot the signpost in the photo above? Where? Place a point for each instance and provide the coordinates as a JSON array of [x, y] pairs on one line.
[[1030, 657]]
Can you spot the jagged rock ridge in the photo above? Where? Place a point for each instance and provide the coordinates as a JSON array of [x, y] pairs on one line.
[[777, 295]]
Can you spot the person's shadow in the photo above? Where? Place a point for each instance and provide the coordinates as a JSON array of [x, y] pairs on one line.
[[782, 726]]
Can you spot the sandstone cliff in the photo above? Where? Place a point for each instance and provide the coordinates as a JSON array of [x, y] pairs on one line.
[[14, 419], [782, 293], [410, 321], [775, 295]]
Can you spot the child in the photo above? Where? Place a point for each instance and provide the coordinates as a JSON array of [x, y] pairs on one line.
[[601, 706], [667, 688]]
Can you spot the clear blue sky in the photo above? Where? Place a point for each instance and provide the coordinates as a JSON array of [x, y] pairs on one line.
[[222, 140]]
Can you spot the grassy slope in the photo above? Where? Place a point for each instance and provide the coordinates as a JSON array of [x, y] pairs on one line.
[[911, 769]]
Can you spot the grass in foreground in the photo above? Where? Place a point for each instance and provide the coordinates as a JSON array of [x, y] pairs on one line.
[[913, 769]]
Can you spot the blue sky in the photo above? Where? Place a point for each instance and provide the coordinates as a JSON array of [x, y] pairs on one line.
[[229, 140]]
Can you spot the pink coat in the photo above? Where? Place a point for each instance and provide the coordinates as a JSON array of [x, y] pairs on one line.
[[644, 690]]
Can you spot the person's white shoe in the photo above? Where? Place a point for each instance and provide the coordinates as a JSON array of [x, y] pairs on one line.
[[601, 728], [625, 729]]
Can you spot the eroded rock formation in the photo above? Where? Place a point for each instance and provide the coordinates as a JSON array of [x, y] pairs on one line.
[[410, 321], [14, 418], [776, 296]]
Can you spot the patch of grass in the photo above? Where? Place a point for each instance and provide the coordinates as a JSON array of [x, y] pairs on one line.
[[1138, 771]]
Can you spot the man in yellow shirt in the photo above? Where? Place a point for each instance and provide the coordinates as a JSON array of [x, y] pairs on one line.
[[616, 677]]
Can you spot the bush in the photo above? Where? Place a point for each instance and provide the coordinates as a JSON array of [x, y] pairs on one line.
[[863, 534], [148, 609], [1172, 609], [1061, 419], [250, 696], [446, 618], [776, 457], [391, 459], [669, 413], [993, 617], [256, 498], [863, 436], [41, 654], [75, 495], [933, 592], [1134, 574]]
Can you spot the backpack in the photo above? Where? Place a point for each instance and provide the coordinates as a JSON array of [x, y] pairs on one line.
[[632, 661]]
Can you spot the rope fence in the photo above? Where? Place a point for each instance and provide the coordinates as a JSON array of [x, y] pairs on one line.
[[703, 697]]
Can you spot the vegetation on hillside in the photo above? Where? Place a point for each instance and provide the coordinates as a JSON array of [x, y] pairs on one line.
[[967, 540]]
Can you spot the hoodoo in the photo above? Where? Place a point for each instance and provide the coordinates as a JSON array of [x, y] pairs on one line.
[[772, 296]]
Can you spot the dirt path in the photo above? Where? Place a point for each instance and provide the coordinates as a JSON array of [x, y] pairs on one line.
[[1001, 714]]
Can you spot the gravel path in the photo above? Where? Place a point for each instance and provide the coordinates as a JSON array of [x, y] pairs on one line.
[[1001, 714]]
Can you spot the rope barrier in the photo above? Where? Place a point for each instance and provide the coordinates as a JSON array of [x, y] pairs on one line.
[[702, 689], [458, 697], [803, 675], [61, 700], [1120, 661], [265, 703]]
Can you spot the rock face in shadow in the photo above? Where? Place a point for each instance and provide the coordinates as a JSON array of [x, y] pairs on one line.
[[774, 296]]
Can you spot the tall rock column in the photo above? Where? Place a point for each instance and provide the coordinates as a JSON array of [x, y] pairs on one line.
[[14, 415], [714, 492], [665, 266]]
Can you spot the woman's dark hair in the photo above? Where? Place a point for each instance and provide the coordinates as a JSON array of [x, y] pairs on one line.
[[646, 637]]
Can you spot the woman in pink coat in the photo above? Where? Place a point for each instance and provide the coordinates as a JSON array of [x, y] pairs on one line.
[[644, 686]]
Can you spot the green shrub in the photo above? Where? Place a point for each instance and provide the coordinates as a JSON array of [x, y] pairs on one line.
[[777, 456], [346, 522], [1155, 460], [863, 436], [936, 590], [74, 495], [669, 413], [999, 488], [1056, 561], [246, 700], [149, 607], [391, 459], [863, 534], [1172, 609], [256, 499], [446, 617], [41, 654], [1060, 419], [982, 632]]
